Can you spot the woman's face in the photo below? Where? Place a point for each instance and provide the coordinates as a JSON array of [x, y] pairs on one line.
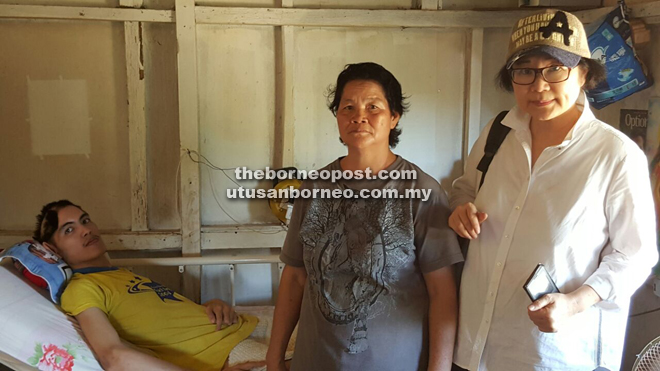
[[543, 100], [364, 117]]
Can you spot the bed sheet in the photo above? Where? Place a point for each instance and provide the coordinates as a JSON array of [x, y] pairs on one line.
[[36, 334]]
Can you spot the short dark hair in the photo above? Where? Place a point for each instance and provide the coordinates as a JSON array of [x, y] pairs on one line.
[[377, 73], [47, 220], [595, 74]]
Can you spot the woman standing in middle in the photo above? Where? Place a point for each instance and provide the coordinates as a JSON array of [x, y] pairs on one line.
[[369, 278]]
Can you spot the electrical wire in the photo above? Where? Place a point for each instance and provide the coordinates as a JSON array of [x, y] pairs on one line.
[[215, 197], [176, 189], [210, 164], [201, 159]]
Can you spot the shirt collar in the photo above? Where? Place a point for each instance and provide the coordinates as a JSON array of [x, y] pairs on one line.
[[516, 119], [94, 270]]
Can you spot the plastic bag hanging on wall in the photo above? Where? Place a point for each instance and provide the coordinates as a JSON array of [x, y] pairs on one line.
[[611, 44]]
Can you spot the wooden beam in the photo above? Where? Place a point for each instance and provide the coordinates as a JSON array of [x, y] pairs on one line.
[[314, 17], [205, 260], [388, 18], [472, 97], [357, 17], [114, 240], [137, 122], [85, 13], [143, 241], [186, 34], [652, 20], [212, 238], [215, 238], [650, 9], [284, 121], [650, 12]]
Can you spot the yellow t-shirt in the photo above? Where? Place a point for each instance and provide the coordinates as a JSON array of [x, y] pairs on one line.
[[154, 317]]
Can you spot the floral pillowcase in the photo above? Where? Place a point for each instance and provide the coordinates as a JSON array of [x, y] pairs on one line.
[[35, 331]]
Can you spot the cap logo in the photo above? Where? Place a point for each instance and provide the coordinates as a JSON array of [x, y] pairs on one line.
[[543, 26], [559, 24], [550, 29]]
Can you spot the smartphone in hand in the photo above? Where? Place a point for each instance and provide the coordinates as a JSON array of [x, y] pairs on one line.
[[539, 283]]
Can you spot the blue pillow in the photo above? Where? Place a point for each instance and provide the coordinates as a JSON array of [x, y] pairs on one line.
[[43, 263]]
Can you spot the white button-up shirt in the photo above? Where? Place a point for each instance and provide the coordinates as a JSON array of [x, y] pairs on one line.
[[585, 210]]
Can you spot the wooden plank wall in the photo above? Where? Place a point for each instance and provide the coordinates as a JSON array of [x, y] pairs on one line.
[[187, 231]]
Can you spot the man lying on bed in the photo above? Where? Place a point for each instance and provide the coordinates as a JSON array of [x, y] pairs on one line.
[[112, 304]]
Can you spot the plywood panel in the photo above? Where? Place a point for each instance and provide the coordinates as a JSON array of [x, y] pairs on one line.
[[494, 99], [254, 283], [432, 130], [91, 54], [237, 115], [162, 112]]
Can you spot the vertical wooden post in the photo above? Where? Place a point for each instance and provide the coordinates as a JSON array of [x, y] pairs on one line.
[[430, 4], [472, 98], [284, 121], [137, 122], [189, 135]]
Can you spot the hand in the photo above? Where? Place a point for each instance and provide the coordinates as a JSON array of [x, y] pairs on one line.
[[466, 221], [550, 312], [277, 366], [220, 313], [247, 366]]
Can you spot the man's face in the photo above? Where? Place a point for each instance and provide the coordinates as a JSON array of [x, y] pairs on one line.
[[77, 239]]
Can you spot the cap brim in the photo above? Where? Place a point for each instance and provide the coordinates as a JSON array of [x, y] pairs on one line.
[[568, 59]]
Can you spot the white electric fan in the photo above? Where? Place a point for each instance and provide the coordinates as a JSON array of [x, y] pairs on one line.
[[649, 358]]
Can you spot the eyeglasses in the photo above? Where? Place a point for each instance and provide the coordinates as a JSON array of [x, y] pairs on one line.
[[551, 74]]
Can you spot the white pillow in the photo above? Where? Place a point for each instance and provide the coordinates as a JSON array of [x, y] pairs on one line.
[[36, 331]]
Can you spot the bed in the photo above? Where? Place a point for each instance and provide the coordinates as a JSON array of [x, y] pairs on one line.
[[35, 332]]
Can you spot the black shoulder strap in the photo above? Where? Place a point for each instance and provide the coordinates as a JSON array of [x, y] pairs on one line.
[[496, 136]]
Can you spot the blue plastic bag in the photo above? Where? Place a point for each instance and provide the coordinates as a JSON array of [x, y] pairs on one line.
[[611, 45]]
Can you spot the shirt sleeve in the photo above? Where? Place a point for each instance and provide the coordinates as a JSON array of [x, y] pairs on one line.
[[464, 189], [627, 260], [292, 251], [436, 244], [82, 294]]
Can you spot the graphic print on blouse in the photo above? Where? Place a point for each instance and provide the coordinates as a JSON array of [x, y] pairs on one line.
[[354, 249]]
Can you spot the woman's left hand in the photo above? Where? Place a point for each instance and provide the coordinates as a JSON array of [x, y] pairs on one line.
[[220, 313], [550, 312]]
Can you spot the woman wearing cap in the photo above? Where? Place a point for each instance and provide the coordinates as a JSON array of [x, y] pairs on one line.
[[565, 190]]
